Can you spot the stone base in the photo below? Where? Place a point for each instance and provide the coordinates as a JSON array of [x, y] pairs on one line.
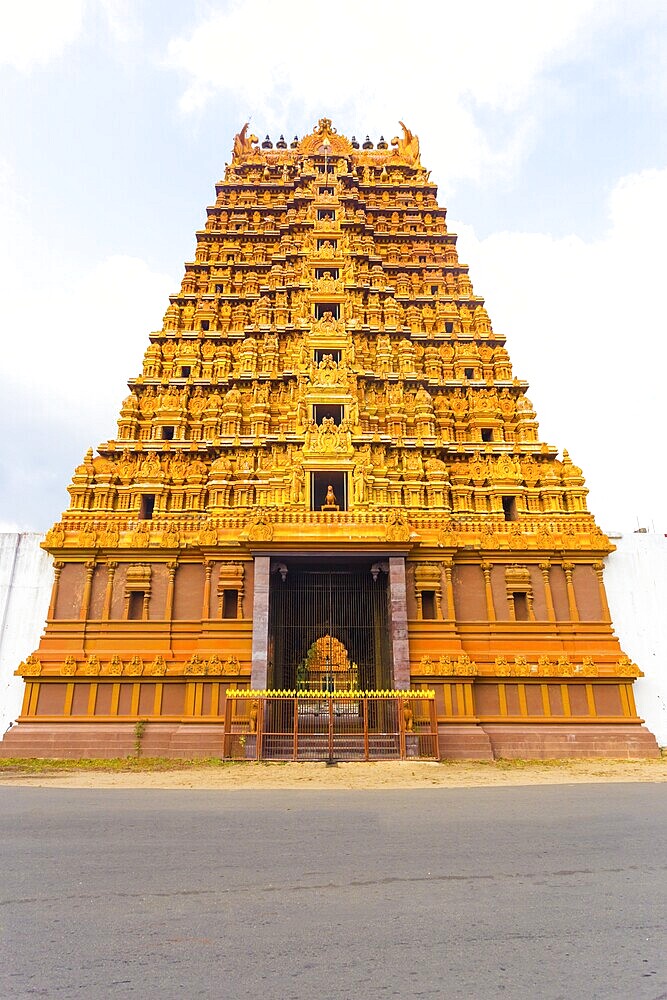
[[76, 740], [544, 742], [464, 742]]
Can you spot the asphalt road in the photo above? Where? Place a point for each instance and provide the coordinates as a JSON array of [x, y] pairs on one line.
[[542, 892]]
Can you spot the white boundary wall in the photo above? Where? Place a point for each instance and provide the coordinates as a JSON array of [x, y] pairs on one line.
[[636, 583], [635, 576], [26, 578]]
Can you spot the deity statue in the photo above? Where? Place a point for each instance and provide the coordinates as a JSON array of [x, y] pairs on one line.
[[330, 499]]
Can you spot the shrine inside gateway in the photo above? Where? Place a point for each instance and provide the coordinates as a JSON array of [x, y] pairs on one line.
[[326, 525]]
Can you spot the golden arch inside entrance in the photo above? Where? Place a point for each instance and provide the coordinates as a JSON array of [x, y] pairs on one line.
[[327, 667]]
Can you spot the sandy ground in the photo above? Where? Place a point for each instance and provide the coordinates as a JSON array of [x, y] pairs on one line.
[[385, 774]]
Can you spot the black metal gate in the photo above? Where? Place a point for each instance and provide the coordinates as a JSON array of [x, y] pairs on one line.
[[328, 627]]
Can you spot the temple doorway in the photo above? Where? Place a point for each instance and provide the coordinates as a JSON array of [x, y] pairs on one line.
[[328, 626]]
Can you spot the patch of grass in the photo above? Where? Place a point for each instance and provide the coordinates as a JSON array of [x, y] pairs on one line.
[[44, 765]]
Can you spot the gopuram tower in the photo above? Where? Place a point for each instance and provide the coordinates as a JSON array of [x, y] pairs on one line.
[[327, 469]]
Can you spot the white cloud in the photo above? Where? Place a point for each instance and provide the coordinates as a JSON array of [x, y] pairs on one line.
[[123, 20], [71, 339], [585, 325], [373, 62], [33, 32], [88, 331]]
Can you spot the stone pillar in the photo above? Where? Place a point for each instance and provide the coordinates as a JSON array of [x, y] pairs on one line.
[[169, 601], [398, 609], [450, 613], [206, 603], [571, 597], [548, 597], [260, 624], [87, 590], [488, 592], [599, 570], [108, 593], [57, 570]]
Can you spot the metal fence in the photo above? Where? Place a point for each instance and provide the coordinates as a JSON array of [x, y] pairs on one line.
[[323, 726]]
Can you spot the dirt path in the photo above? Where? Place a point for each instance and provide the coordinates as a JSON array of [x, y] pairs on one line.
[[380, 775]]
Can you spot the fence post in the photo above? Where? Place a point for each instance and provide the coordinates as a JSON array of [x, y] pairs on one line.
[[260, 728], [401, 730], [366, 746], [434, 728], [295, 726], [227, 734], [331, 725]]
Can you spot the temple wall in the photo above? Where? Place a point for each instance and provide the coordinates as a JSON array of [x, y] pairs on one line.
[[26, 576], [635, 575]]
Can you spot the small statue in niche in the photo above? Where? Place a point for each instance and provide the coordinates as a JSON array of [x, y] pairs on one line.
[[330, 499]]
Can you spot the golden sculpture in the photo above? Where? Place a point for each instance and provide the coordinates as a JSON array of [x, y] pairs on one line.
[[244, 143], [327, 342], [407, 146]]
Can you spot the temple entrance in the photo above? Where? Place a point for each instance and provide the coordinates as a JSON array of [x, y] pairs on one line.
[[328, 626]]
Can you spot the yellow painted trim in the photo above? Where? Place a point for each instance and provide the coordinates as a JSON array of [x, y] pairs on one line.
[[69, 698], [590, 700], [92, 698], [115, 698], [214, 710], [134, 703], [502, 699], [199, 698], [157, 699], [523, 704], [31, 698], [546, 704], [565, 696]]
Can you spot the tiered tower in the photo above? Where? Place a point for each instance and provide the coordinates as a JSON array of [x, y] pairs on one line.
[[326, 405]]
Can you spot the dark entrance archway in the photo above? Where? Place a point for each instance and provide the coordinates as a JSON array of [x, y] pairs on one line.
[[328, 625]]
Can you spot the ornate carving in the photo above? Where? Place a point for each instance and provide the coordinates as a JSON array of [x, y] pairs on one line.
[[157, 667], [243, 143], [407, 146], [68, 668], [30, 667], [448, 666], [135, 666], [261, 529], [195, 665]]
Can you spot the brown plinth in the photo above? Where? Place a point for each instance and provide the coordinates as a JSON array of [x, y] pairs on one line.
[[76, 740], [544, 742], [464, 742], [325, 507], [72, 740]]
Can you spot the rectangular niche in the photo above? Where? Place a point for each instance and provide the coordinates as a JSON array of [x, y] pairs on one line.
[[333, 411], [319, 485], [324, 307], [327, 352]]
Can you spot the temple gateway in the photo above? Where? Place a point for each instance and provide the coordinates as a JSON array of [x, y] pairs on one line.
[[326, 525]]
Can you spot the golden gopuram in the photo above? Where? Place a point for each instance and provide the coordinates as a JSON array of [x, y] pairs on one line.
[[327, 481]]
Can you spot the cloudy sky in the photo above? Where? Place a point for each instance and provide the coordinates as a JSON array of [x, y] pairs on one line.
[[544, 125]]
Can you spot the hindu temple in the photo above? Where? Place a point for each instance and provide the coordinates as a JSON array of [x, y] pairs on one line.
[[327, 484]]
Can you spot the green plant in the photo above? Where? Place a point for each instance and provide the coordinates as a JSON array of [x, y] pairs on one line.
[[139, 730]]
